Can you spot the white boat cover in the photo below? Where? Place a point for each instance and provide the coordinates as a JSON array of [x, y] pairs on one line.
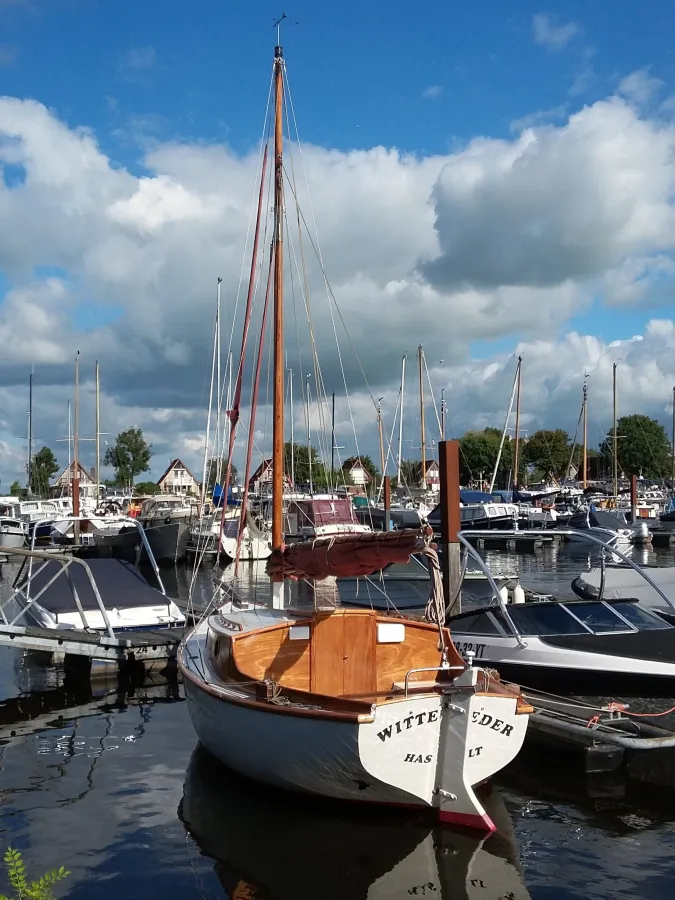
[[622, 582]]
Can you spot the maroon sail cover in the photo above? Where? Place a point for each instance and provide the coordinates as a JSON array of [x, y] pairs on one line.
[[345, 555]]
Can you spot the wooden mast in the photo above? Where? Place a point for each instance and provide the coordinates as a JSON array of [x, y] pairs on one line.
[[278, 339], [442, 414], [517, 449], [420, 353]]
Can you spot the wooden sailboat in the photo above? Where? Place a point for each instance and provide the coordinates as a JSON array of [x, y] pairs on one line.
[[344, 703]]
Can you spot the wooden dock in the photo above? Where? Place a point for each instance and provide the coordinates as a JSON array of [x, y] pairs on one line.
[[138, 646], [509, 542]]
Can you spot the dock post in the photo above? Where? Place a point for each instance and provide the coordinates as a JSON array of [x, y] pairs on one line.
[[450, 525], [633, 498], [387, 502]]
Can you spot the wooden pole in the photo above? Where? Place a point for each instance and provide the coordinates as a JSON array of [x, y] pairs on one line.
[[633, 498], [442, 414], [516, 454], [424, 449], [332, 442], [387, 501], [450, 524], [278, 421], [380, 437], [278, 335]]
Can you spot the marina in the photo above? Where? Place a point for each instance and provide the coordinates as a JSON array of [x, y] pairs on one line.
[[87, 748]]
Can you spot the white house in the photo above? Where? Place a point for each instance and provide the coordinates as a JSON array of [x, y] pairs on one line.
[[433, 475], [178, 479], [358, 474], [65, 478]]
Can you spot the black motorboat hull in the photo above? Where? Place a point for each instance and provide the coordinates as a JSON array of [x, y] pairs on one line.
[[584, 682]]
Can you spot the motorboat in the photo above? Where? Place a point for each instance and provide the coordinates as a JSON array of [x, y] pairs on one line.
[[65, 595], [321, 516], [586, 647], [166, 522], [609, 527], [617, 581], [590, 647], [480, 513], [346, 852], [13, 532]]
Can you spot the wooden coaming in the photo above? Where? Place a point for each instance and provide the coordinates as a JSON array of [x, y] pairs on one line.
[[341, 657], [270, 654]]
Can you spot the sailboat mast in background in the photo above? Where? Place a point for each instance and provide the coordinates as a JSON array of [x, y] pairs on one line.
[[75, 475], [672, 460], [584, 464], [98, 433], [615, 458], [29, 467], [423, 480], [400, 424], [516, 455]]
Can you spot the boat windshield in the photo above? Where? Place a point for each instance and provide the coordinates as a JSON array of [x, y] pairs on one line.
[[549, 619]]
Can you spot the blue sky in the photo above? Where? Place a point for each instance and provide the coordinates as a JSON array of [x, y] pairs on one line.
[[160, 85], [358, 68]]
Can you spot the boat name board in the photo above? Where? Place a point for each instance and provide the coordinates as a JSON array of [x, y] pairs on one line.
[[486, 720], [405, 724], [431, 716]]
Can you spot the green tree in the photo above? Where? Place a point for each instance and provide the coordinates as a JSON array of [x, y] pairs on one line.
[[43, 467], [477, 453], [365, 461], [549, 451], [300, 464], [150, 488], [129, 456], [643, 446], [216, 467], [15, 489], [411, 472]]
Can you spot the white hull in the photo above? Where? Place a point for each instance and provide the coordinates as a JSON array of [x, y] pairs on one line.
[[129, 619], [11, 539], [252, 546], [617, 539], [424, 750]]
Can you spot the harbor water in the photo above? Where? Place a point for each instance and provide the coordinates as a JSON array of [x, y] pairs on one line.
[[106, 780]]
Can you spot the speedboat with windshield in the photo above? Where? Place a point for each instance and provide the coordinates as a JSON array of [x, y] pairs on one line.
[[581, 646]]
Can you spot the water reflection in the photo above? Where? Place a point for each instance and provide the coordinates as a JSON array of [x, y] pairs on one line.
[[270, 845]]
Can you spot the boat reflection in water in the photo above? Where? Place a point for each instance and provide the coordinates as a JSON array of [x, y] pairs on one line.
[[269, 845]]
